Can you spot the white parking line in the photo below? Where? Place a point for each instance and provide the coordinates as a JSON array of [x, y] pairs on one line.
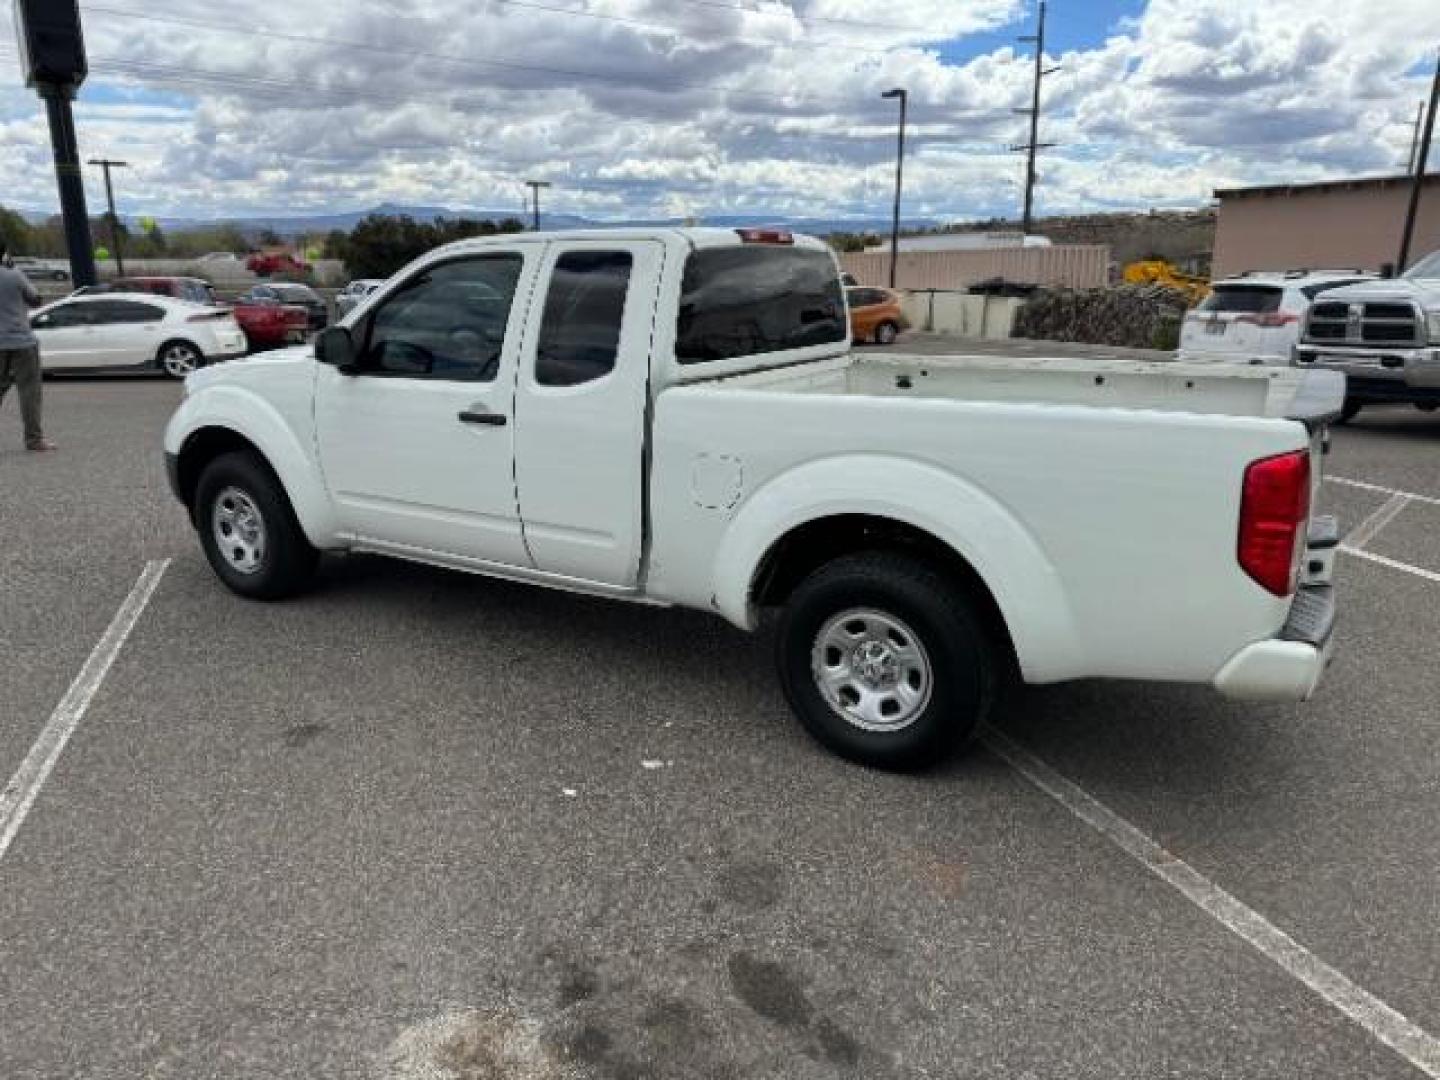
[[1366, 486], [1407, 1039], [1368, 529], [1393, 564], [20, 793]]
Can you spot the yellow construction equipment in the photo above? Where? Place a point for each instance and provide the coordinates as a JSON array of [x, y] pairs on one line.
[[1160, 272]]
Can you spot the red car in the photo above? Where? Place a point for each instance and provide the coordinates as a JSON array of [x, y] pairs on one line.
[[267, 324], [268, 263]]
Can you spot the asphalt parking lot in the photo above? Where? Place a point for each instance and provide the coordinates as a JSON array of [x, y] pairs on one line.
[[419, 825]]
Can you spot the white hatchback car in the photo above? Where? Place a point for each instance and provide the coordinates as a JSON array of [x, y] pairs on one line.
[[108, 331], [1256, 318]]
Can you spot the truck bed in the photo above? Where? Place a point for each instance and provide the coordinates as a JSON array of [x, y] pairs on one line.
[[1206, 389]]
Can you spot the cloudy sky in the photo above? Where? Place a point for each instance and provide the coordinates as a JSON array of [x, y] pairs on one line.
[[672, 107]]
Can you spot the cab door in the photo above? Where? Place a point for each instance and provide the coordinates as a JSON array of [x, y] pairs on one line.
[[66, 333], [417, 441], [581, 408]]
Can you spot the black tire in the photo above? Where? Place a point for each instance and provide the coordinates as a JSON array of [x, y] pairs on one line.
[[286, 561], [1427, 406], [966, 673], [886, 333], [1350, 410]]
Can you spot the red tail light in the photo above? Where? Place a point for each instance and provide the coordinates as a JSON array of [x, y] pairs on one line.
[[1270, 320], [765, 236], [1274, 511]]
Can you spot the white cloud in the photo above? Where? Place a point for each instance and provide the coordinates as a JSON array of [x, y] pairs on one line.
[[694, 106]]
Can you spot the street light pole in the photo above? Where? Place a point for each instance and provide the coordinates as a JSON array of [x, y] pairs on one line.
[[897, 92], [107, 165], [535, 186]]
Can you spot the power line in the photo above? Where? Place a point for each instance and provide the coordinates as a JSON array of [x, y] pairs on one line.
[[624, 80], [316, 93], [676, 31], [831, 19]]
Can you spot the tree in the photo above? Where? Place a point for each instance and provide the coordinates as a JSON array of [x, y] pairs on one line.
[[381, 244], [15, 232]]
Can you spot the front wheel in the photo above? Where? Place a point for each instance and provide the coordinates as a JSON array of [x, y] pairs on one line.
[[249, 531], [179, 358], [885, 661], [886, 333]]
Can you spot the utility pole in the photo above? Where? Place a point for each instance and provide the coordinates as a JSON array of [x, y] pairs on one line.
[[1031, 148], [1415, 138], [898, 92], [107, 165], [535, 186], [1422, 161]]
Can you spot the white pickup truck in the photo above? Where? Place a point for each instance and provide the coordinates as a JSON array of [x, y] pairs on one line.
[[673, 416]]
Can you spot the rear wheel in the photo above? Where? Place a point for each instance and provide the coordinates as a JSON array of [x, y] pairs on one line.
[[249, 531], [885, 661], [886, 333], [179, 358]]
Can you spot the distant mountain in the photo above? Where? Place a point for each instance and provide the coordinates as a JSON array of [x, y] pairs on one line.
[[290, 226]]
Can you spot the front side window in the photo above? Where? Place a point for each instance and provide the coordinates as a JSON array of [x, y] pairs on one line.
[[63, 317], [753, 299], [447, 322], [580, 333]]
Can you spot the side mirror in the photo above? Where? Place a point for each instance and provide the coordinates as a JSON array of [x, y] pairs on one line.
[[335, 346]]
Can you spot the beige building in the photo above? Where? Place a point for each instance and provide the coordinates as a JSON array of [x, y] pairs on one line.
[[1339, 224]]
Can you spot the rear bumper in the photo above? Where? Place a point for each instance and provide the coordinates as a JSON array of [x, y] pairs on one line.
[[1288, 666]]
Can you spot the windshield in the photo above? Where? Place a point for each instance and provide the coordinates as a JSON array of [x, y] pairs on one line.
[[1428, 267]]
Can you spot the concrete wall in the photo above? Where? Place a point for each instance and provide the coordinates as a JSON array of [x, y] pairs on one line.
[[1080, 266], [1289, 229], [959, 313]]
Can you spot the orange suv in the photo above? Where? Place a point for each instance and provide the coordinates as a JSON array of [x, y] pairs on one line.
[[875, 315]]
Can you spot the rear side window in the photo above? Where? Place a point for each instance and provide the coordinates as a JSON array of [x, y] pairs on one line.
[[747, 301], [580, 333], [125, 311], [1246, 299]]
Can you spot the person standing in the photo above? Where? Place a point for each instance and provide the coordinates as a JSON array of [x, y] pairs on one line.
[[20, 352]]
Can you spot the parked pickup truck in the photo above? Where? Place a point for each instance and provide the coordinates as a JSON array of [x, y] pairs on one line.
[[672, 416], [1384, 335]]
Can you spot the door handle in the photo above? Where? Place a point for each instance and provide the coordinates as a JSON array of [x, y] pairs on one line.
[[491, 419]]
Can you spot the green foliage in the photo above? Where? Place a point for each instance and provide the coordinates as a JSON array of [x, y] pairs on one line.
[[15, 233], [381, 244], [847, 241]]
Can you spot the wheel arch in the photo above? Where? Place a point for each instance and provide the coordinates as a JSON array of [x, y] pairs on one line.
[[820, 510], [176, 339], [219, 420]]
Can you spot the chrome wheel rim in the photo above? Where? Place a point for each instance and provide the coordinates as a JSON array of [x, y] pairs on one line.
[[239, 530], [872, 670], [178, 360]]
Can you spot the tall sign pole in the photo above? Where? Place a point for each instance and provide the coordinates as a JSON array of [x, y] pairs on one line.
[[52, 56]]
